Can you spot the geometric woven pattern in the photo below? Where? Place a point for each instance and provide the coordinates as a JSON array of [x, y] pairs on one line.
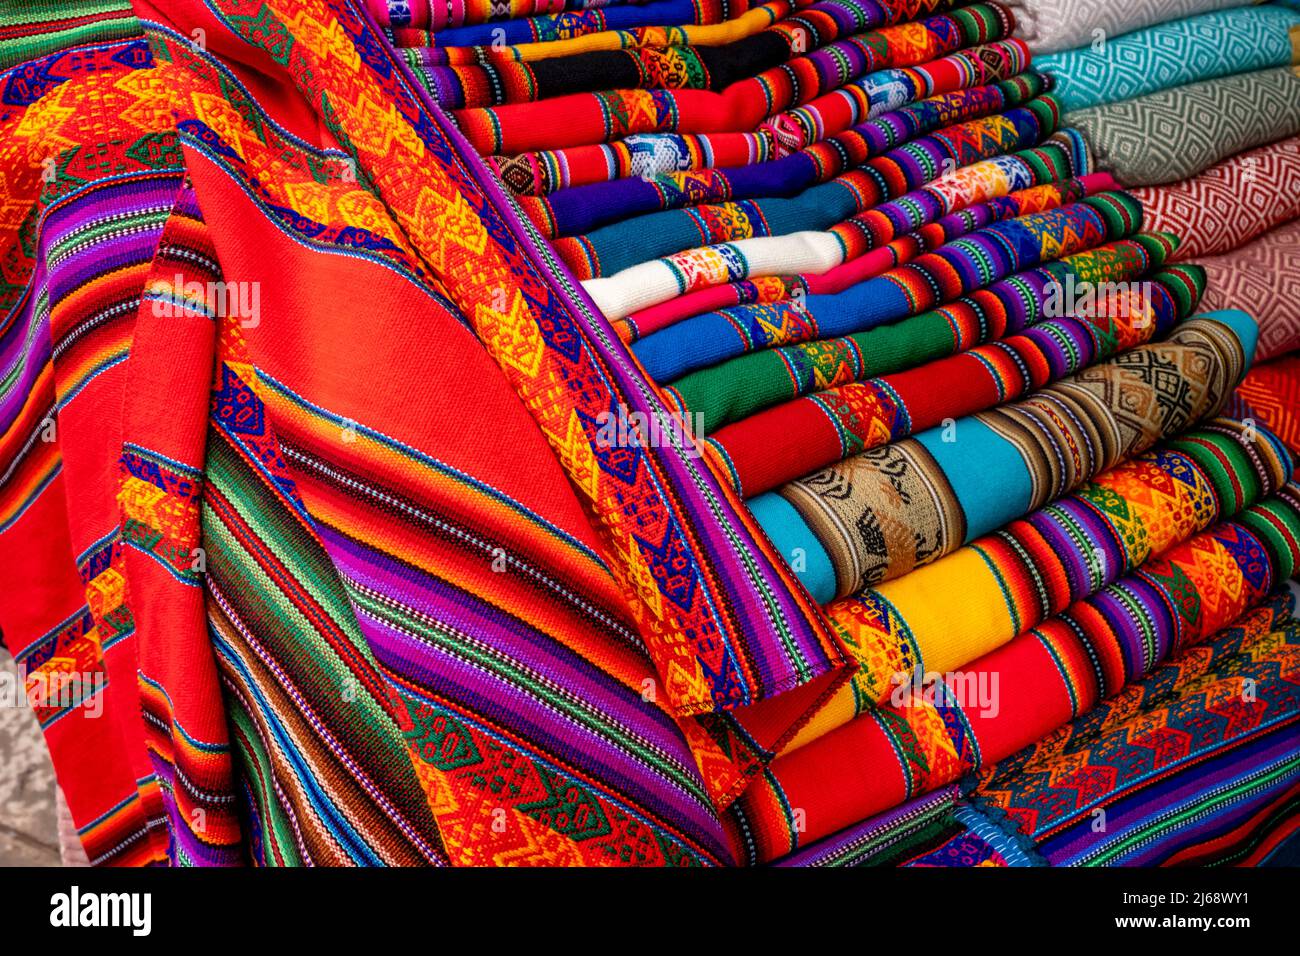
[[1171, 54], [1228, 205], [1178, 133], [1049, 25], [1264, 276]]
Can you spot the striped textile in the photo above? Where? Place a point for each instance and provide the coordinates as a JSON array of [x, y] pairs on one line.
[[1184, 767], [884, 512], [738, 27], [612, 113], [1196, 797], [583, 208], [495, 80], [92, 209], [780, 444], [934, 733], [930, 280], [742, 387], [610, 249], [983, 595], [543, 171], [791, 425], [871, 242]]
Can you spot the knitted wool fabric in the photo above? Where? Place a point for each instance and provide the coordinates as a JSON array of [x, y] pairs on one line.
[[498, 80], [744, 386], [1197, 772], [778, 445], [1173, 54], [582, 208], [1265, 273], [1051, 25], [936, 732], [891, 509], [983, 595], [612, 113], [1230, 203], [646, 154], [858, 254], [932, 279], [1178, 133]]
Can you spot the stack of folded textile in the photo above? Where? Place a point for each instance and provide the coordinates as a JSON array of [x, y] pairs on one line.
[[894, 418]]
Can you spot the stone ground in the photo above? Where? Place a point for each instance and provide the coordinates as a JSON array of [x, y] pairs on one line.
[[28, 821]]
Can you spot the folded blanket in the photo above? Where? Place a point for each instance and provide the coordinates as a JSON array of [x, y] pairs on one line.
[[422, 39], [1265, 273], [737, 389], [611, 113], [584, 18], [1193, 795], [539, 172], [943, 726], [498, 79], [1050, 25], [613, 248], [1173, 54], [816, 252], [961, 113], [780, 444], [1183, 767], [930, 280], [1230, 203], [1027, 177], [947, 614], [889, 510], [1178, 133]]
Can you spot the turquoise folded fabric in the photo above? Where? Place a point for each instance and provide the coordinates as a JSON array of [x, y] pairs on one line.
[[1172, 54]]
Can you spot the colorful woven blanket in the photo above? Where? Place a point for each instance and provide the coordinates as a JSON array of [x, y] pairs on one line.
[[1184, 767], [462, 570], [939, 727], [888, 510]]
